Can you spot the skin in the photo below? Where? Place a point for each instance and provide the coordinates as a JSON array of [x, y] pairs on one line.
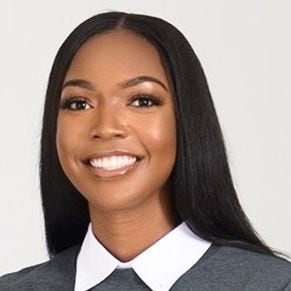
[[129, 212]]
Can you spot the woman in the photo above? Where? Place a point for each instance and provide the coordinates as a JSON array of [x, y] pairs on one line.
[[136, 188]]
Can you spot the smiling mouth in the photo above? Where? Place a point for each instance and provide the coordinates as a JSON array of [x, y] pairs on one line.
[[112, 166]]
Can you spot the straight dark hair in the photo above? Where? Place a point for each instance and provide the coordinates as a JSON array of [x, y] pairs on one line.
[[201, 183]]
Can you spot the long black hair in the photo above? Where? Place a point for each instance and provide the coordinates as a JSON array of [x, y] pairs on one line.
[[201, 183]]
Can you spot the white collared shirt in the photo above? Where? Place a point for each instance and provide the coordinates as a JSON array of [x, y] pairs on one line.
[[159, 266]]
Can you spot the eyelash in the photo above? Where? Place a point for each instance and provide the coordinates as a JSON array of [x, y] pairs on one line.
[[67, 102], [156, 101]]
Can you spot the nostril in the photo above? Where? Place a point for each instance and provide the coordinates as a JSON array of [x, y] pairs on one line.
[[108, 134], [106, 130], [119, 135]]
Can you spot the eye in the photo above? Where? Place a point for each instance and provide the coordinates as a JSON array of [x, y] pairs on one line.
[[75, 104], [145, 101]]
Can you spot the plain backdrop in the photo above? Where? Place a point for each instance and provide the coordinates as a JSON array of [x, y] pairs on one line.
[[245, 49]]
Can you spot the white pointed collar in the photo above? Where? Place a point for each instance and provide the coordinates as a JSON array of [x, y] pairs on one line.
[[159, 266]]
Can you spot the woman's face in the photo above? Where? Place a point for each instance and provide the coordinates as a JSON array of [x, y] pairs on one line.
[[116, 129]]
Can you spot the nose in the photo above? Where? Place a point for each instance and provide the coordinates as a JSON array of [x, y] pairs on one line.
[[108, 123]]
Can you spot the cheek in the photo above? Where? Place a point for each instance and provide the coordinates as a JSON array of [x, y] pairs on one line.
[[159, 136], [67, 137], [62, 136], [163, 132]]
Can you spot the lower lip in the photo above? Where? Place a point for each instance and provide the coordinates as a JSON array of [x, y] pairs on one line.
[[102, 173]]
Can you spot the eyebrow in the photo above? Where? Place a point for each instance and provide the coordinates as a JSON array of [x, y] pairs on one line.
[[124, 84], [78, 83], [141, 79]]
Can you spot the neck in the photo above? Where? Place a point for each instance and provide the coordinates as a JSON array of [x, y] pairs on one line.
[[127, 233]]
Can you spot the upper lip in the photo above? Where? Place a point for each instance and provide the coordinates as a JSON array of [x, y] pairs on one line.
[[102, 154]]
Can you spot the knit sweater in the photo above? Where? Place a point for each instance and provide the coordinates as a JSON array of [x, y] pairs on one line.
[[220, 268]]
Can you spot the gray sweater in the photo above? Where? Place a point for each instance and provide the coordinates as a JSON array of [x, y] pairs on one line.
[[220, 268]]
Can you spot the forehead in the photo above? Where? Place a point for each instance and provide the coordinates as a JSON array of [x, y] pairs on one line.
[[116, 54]]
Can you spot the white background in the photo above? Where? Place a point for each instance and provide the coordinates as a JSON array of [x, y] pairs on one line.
[[245, 49]]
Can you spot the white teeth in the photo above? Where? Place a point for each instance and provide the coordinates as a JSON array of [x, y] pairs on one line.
[[113, 162]]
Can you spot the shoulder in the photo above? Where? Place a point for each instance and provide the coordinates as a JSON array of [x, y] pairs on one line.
[[232, 268], [51, 275], [238, 256]]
